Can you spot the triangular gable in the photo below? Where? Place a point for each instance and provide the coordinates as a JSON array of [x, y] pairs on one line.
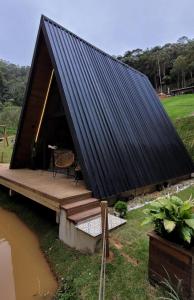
[[123, 137]]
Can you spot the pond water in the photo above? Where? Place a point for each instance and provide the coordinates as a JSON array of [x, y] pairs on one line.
[[24, 271]]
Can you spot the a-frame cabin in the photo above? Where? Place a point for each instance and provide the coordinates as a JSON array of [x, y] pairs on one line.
[[108, 114], [105, 111]]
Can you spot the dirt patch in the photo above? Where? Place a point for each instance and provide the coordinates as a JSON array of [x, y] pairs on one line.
[[163, 96], [129, 243], [130, 259], [116, 243], [111, 257]]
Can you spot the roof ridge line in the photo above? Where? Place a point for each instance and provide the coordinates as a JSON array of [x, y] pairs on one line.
[[45, 18]]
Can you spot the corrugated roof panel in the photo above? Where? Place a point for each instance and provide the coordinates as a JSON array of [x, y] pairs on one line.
[[126, 139]]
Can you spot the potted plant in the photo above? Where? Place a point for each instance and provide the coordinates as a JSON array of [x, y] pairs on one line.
[[171, 242], [120, 209]]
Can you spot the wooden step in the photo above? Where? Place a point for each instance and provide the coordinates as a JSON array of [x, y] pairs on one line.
[[78, 217], [79, 206], [76, 198]]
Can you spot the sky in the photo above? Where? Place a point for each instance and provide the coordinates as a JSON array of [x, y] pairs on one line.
[[114, 26]]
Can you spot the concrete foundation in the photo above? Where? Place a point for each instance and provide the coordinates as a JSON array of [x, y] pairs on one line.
[[152, 188], [75, 238]]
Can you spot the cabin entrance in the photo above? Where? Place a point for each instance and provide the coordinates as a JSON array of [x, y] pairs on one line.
[[53, 132]]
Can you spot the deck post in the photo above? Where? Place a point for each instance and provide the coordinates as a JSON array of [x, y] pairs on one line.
[[11, 193], [104, 222], [57, 217]]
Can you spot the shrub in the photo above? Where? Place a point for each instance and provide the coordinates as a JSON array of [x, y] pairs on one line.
[[172, 218], [121, 208]]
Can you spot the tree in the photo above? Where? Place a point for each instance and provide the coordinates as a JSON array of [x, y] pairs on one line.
[[180, 68], [183, 40]]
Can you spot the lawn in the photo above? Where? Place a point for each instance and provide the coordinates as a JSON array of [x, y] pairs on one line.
[[179, 106], [185, 129], [6, 151], [78, 274], [181, 111]]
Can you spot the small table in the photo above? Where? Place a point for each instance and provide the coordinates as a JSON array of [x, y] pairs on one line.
[[53, 148], [78, 173]]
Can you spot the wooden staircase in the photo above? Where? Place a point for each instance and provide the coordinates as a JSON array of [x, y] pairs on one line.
[[80, 223], [79, 210]]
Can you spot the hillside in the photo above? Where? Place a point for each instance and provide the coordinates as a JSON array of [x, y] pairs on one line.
[[12, 82], [181, 111], [180, 106]]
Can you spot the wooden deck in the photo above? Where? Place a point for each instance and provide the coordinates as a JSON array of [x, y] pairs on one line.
[[42, 187]]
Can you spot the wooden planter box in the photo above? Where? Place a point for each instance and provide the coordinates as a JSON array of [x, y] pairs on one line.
[[176, 260]]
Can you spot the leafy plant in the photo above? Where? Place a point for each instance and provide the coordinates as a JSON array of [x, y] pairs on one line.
[[172, 218], [121, 208]]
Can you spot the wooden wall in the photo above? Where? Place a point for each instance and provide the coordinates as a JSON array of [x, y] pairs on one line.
[[54, 129], [35, 95]]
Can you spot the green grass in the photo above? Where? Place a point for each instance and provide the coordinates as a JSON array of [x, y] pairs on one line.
[[181, 111], [179, 106], [187, 193], [11, 131], [185, 129], [6, 151]]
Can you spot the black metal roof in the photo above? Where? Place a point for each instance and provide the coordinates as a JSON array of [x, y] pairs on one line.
[[121, 132]]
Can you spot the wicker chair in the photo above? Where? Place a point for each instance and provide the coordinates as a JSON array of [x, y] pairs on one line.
[[62, 159]]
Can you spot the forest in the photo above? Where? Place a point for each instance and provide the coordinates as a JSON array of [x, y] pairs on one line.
[[168, 67], [12, 86], [12, 82]]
